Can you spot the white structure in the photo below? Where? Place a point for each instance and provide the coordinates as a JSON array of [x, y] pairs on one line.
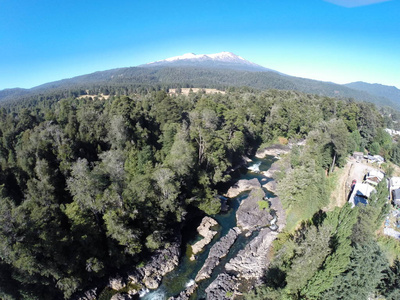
[[374, 177], [394, 183], [361, 193], [379, 159]]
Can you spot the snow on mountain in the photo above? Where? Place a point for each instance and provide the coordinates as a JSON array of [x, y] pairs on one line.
[[222, 57]]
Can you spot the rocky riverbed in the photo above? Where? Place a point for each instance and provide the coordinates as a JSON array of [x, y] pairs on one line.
[[241, 186], [205, 231], [277, 150], [250, 215], [219, 250], [251, 262], [240, 254], [274, 150]]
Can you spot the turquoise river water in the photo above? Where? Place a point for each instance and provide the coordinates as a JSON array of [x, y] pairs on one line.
[[183, 275]]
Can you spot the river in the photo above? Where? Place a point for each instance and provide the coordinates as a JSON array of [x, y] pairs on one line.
[[183, 276]]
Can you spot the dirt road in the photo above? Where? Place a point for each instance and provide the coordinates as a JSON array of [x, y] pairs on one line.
[[352, 170]]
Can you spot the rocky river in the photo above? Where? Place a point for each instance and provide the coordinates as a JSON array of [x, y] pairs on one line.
[[229, 251]]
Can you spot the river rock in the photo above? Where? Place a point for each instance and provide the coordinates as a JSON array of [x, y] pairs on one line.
[[275, 167], [274, 150], [252, 261], [276, 205], [204, 230], [249, 216], [222, 288], [121, 296], [117, 283], [241, 186], [217, 251], [270, 186], [161, 263]]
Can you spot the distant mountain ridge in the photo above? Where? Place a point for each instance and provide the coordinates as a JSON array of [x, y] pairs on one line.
[[220, 70], [10, 93], [389, 92]]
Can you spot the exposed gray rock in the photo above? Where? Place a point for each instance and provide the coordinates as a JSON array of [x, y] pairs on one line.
[[276, 205], [117, 283], [217, 251], [249, 216], [222, 288], [153, 281], [252, 260], [270, 186], [272, 170], [278, 149], [204, 230], [274, 150], [121, 296], [241, 186], [161, 263]]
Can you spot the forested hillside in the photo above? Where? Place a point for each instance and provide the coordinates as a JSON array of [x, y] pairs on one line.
[[89, 186], [124, 80], [389, 92], [329, 254]]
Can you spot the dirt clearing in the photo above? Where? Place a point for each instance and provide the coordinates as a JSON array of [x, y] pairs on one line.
[[352, 170], [185, 91]]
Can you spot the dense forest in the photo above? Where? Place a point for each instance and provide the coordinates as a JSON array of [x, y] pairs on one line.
[[125, 81], [88, 186]]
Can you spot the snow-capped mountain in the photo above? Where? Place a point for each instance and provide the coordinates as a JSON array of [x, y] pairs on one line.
[[225, 60]]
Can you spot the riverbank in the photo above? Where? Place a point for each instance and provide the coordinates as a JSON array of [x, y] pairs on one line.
[[246, 266], [239, 249]]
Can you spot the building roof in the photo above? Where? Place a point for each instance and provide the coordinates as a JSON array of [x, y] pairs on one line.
[[394, 183], [372, 180], [396, 194], [374, 176], [361, 193], [363, 189]]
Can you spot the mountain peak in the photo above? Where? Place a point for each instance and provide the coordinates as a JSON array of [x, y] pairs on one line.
[[223, 59]]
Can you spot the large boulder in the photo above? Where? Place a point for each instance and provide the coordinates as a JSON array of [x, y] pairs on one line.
[[252, 261], [276, 206], [204, 230], [241, 186], [161, 263], [217, 251], [274, 150], [121, 296], [222, 288], [250, 215], [117, 283], [275, 167], [270, 186]]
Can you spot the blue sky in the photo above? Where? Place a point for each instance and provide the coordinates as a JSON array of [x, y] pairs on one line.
[[333, 40]]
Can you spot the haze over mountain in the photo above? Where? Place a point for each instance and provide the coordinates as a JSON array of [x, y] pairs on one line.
[[389, 92], [220, 70]]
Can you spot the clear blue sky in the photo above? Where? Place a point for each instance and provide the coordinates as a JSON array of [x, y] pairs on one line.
[[47, 40]]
